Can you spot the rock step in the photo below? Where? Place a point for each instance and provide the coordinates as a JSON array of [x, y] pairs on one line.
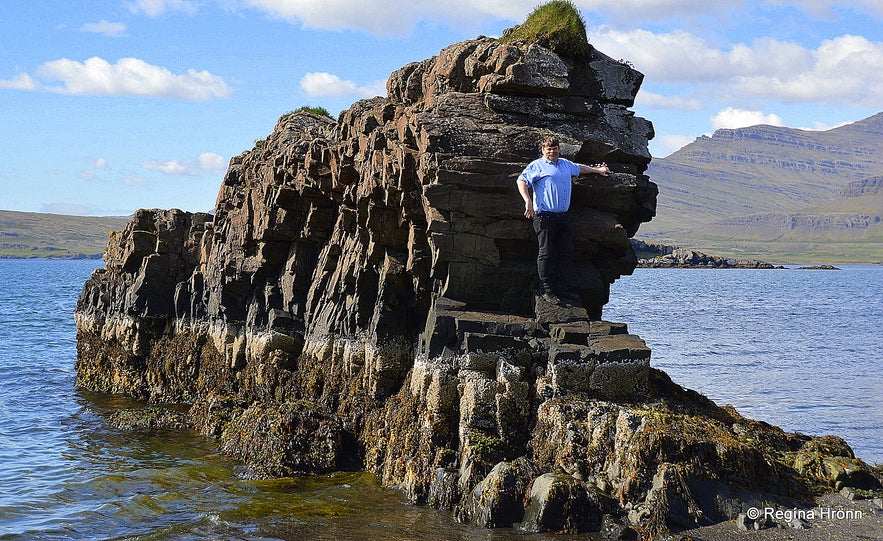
[[454, 328], [580, 332]]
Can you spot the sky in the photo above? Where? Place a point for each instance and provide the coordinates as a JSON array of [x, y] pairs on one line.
[[113, 105]]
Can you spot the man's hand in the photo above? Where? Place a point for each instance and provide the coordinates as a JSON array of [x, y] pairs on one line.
[[525, 196], [528, 209], [600, 169]]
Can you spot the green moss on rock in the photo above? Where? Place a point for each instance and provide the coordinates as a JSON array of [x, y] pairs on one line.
[[486, 449]]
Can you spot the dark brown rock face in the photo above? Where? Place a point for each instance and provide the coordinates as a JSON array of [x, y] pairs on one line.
[[363, 297]]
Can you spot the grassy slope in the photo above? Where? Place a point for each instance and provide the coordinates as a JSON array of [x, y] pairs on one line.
[[30, 234]]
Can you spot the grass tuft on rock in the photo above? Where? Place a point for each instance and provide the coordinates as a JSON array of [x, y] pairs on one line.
[[557, 25], [312, 109]]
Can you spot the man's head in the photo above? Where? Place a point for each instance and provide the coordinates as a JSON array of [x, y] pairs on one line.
[[550, 148]]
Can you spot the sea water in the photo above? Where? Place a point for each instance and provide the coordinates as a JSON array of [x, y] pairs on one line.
[[798, 348], [795, 348]]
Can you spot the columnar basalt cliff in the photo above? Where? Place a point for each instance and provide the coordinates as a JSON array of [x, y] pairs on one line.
[[363, 297]]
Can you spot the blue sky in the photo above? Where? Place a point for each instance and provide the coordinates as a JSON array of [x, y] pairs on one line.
[[113, 105]]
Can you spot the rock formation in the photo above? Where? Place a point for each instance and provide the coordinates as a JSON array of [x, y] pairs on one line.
[[363, 297]]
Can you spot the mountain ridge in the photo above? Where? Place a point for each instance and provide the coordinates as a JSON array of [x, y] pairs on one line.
[[806, 187]]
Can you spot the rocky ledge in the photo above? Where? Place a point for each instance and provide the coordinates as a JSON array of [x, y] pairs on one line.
[[363, 298]]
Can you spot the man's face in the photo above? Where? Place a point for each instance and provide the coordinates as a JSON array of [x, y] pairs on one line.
[[550, 153]]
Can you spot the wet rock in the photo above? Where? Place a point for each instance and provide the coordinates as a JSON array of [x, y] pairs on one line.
[[497, 501], [748, 524], [798, 523], [560, 503], [614, 529], [831, 461], [151, 418], [283, 440], [444, 491]]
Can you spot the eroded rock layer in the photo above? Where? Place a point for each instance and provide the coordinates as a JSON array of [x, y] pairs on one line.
[[363, 297]]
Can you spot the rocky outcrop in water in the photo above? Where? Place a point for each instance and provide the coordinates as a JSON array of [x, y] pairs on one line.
[[363, 297], [660, 256]]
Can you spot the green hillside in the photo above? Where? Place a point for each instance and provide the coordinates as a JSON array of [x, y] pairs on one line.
[[775, 193], [35, 235]]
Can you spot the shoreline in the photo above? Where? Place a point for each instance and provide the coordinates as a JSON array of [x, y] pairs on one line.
[[91, 257]]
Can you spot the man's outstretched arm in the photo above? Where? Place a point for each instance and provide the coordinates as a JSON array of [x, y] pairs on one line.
[[589, 170]]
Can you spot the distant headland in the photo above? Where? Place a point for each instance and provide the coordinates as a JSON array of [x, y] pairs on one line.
[[29, 235]]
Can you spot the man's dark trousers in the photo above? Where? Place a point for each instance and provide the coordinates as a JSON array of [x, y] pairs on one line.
[[555, 251]]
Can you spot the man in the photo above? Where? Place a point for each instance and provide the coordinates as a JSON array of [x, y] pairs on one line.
[[551, 179]]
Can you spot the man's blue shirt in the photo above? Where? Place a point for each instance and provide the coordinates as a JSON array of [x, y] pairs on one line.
[[551, 182]]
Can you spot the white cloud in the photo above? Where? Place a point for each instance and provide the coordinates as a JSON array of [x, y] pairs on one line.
[[171, 167], [658, 101], [397, 17], [131, 77], [22, 81], [155, 8], [377, 16], [381, 17], [738, 118], [205, 163], [109, 29], [679, 57], [327, 84], [847, 69], [100, 163], [656, 10], [209, 161]]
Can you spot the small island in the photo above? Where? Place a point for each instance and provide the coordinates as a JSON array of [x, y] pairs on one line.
[[819, 267], [661, 256]]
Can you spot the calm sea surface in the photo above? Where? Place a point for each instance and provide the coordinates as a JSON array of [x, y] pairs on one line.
[[799, 349]]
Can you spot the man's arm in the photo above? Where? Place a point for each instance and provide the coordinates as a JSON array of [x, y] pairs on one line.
[[528, 201], [600, 170]]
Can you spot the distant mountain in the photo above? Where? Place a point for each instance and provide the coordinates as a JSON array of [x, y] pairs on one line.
[[57, 236], [768, 191]]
